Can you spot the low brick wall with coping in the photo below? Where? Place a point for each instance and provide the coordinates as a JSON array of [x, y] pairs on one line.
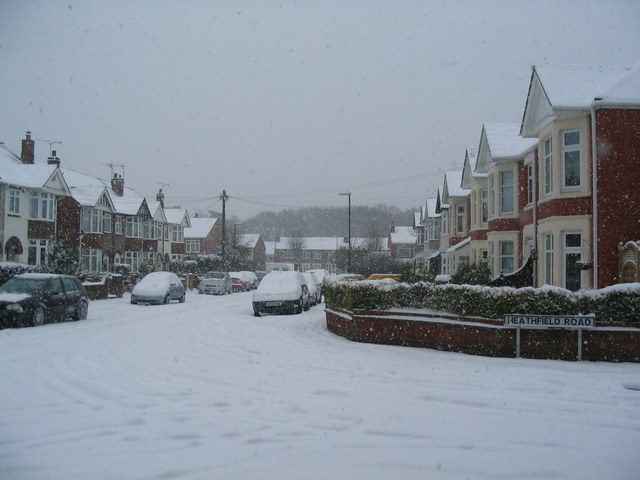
[[481, 336]]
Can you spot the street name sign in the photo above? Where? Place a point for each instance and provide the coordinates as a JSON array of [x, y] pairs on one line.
[[550, 321]]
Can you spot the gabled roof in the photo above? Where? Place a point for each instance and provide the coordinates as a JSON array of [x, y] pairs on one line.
[[157, 212], [40, 176], [87, 190], [502, 142], [469, 174], [452, 186], [200, 227], [178, 216], [250, 240], [556, 91]]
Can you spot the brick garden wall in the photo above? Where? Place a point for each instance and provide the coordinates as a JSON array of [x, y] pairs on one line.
[[485, 337]]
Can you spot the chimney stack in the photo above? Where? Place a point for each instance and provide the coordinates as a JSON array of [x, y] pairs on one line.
[[160, 198], [53, 159], [28, 154], [117, 185]]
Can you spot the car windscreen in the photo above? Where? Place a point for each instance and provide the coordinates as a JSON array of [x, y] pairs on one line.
[[24, 285], [214, 275]]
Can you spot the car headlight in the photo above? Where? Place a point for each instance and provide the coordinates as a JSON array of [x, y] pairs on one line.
[[15, 308]]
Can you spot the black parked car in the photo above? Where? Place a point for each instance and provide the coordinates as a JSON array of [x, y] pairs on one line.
[[38, 298]]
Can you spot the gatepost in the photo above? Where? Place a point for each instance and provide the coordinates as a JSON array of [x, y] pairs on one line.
[[573, 322]]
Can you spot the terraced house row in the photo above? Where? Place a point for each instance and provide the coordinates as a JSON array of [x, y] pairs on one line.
[[105, 222], [555, 197]]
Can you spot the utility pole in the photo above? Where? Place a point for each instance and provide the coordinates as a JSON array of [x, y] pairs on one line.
[[224, 197]]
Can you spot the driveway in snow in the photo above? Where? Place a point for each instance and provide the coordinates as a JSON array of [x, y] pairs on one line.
[[204, 390]]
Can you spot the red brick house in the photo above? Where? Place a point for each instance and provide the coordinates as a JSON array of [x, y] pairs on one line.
[[203, 237], [586, 121]]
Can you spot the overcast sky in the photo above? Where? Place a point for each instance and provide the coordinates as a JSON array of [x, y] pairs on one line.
[[285, 104]]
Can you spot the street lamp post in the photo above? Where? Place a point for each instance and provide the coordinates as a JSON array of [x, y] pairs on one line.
[[348, 194]]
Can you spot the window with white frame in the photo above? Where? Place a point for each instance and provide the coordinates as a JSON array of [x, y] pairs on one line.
[[406, 251], [41, 206], [492, 195], [461, 219], [433, 229], [317, 256], [507, 257], [92, 220], [572, 255], [287, 254], [177, 234], [107, 222], [529, 184], [118, 221], [91, 259], [484, 194], [193, 246], [547, 166], [133, 260], [14, 201], [548, 258], [445, 222], [37, 254], [571, 158], [507, 200], [306, 254], [133, 227], [528, 247]]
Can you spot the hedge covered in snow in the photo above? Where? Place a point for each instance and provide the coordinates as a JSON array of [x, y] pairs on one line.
[[618, 303]]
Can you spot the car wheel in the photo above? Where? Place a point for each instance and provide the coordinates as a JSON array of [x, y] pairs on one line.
[[167, 299], [299, 306], [182, 298], [83, 310], [256, 313], [37, 318]]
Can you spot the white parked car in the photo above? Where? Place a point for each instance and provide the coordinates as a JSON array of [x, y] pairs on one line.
[[281, 292], [315, 291]]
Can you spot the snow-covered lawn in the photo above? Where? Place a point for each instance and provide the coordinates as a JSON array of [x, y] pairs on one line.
[[204, 390]]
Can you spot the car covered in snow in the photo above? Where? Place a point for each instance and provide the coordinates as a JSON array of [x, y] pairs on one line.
[[215, 283], [38, 298], [157, 288], [281, 292], [315, 288], [249, 279]]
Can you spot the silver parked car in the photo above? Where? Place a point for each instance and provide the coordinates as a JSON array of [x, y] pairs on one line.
[[218, 283], [158, 287]]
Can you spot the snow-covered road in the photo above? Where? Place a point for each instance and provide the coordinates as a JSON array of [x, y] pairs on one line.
[[204, 390]]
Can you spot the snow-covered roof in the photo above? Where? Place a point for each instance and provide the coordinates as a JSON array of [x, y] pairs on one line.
[[86, 190], [556, 91], [403, 235], [250, 240], [504, 141], [177, 216], [200, 227], [452, 184], [430, 206], [576, 86], [40, 176], [328, 243], [459, 245]]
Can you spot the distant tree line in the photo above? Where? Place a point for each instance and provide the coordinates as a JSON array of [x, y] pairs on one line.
[[366, 222]]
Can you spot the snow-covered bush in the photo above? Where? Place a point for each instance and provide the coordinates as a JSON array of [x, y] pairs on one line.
[[10, 269], [618, 303]]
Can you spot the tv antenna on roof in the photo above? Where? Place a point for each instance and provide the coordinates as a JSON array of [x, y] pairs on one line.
[[50, 142], [111, 165]]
